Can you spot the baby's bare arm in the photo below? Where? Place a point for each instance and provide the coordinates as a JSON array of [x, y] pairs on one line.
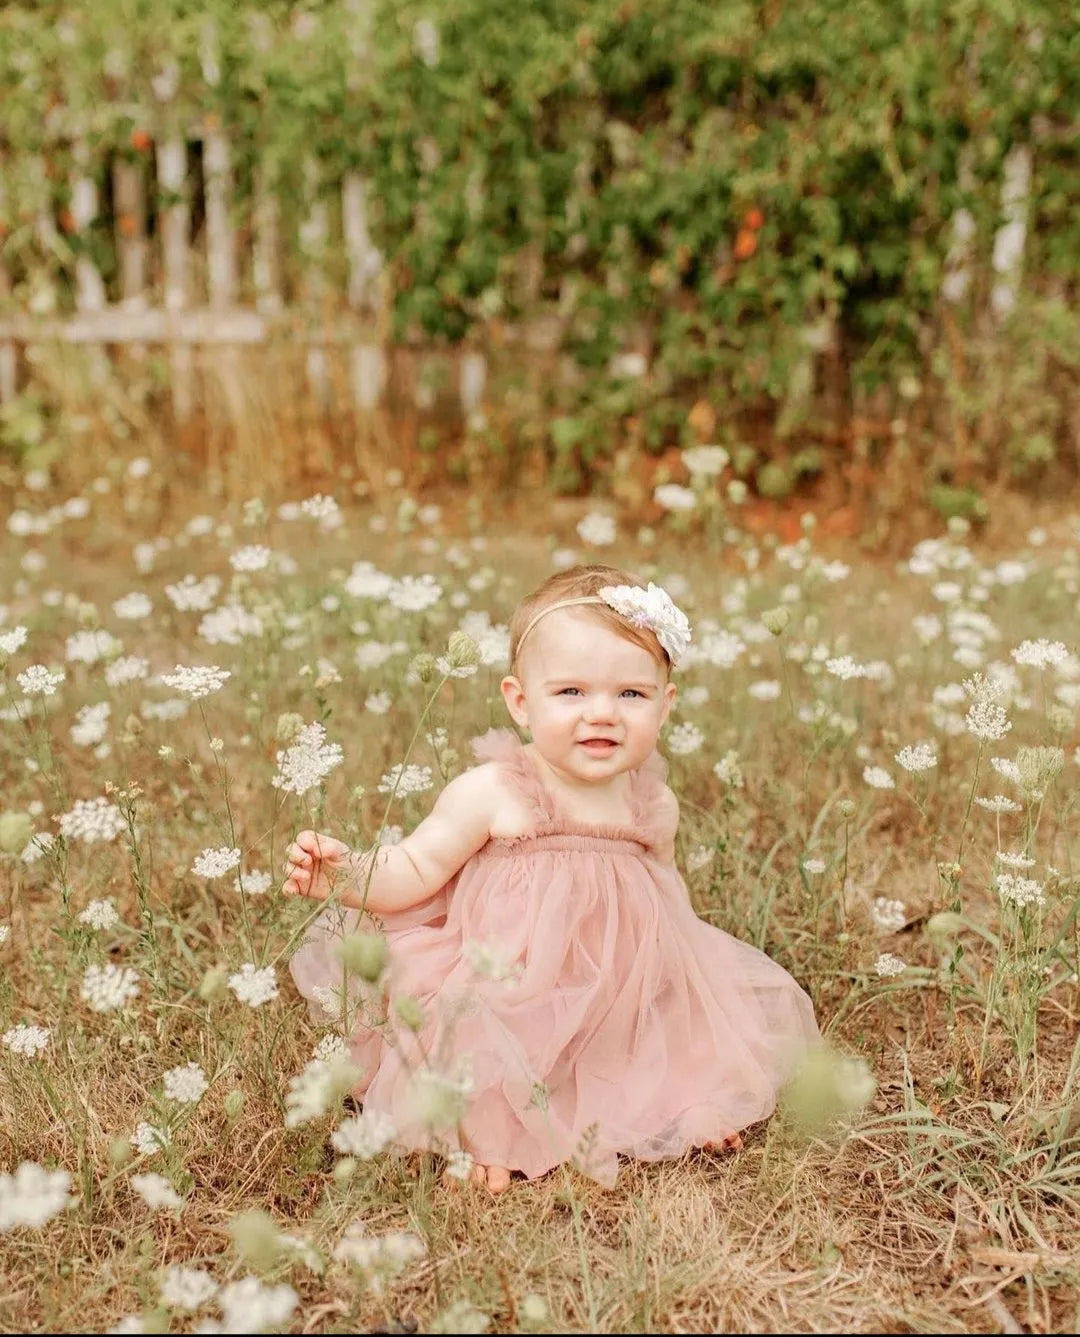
[[395, 877]]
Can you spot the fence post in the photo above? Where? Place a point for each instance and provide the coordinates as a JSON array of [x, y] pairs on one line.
[[175, 226], [8, 359]]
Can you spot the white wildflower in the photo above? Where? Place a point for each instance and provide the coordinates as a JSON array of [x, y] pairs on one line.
[[878, 778], [888, 965], [845, 667], [91, 724], [28, 1041], [596, 529], [128, 668], [196, 680], [253, 883], [38, 681], [1041, 654], [156, 1191], [88, 647], [813, 866], [133, 607], [888, 915], [185, 1083], [728, 771], [254, 986], [229, 624], [459, 1165], [684, 739], [378, 702], [107, 988], [675, 497], [999, 803], [414, 594], [306, 763], [705, 461], [764, 689], [250, 1305], [38, 846], [251, 557], [100, 914], [1019, 891], [11, 640], [186, 1288], [402, 780], [364, 1136], [215, 862], [191, 595], [917, 757], [148, 1139], [1015, 859], [32, 1195]]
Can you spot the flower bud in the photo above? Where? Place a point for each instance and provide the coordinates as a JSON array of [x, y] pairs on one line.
[[737, 491], [288, 726], [776, 620], [345, 1169], [363, 954], [423, 666], [846, 809], [119, 1152], [409, 1012], [212, 983], [16, 828], [1059, 718], [945, 924], [1038, 766], [825, 1087], [257, 1238], [462, 651], [234, 1103]]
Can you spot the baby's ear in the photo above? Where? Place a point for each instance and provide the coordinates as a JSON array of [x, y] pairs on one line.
[[514, 696], [670, 693]]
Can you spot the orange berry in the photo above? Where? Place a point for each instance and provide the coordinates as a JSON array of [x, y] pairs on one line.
[[745, 244]]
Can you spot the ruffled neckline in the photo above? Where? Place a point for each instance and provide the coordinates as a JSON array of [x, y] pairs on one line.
[[646, 784]]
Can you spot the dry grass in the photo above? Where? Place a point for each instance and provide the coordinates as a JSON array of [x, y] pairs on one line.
[[952, 1205]]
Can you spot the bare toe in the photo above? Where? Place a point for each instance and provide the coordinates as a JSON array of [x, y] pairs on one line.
[[498, 1178]]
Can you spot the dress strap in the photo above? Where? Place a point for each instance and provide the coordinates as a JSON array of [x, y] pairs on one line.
[[504, 746], [648, 784]]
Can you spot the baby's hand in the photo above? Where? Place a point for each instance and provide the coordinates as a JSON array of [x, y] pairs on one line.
[[313, 864]]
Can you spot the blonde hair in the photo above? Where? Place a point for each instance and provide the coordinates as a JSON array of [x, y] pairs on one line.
[[580, 582]]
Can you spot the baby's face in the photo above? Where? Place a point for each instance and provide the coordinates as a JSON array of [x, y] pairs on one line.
[[593, 701]]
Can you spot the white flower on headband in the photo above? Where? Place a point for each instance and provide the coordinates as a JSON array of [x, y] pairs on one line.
[[652, 608]]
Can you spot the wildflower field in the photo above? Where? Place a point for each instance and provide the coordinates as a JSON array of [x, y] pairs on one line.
[[877, 761]]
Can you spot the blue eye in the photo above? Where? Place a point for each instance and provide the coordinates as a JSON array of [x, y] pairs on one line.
[[632, 691], [567, 689]]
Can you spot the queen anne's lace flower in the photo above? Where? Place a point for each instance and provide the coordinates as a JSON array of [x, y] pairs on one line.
[[92, 820], [654, 609], [185, 1084], [32, 1196], [12, 640], [402, 780], [254, 986], [215, 863], [306, 763], [186, 1287], [364, 1136], [1041, 654], [156, 1191], [249, 1305], [888, 915], [888, 965], [917, 757], [26, 1040], [108, 988], [148, 1139], [100, 914], [596, 529], [38, 681], [196, 680]]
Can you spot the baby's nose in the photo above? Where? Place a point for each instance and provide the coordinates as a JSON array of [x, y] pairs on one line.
[[599, 709]]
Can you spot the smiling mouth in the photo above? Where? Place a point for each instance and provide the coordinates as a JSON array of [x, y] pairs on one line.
[[599, 744]]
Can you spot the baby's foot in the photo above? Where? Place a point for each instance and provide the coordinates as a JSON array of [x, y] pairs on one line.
[[495, 1177], [731, 1140]]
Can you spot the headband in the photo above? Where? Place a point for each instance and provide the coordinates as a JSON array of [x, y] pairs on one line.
[[650, 609]]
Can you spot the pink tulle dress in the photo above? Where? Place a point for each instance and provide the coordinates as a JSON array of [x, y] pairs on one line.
[[631, 1027]]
